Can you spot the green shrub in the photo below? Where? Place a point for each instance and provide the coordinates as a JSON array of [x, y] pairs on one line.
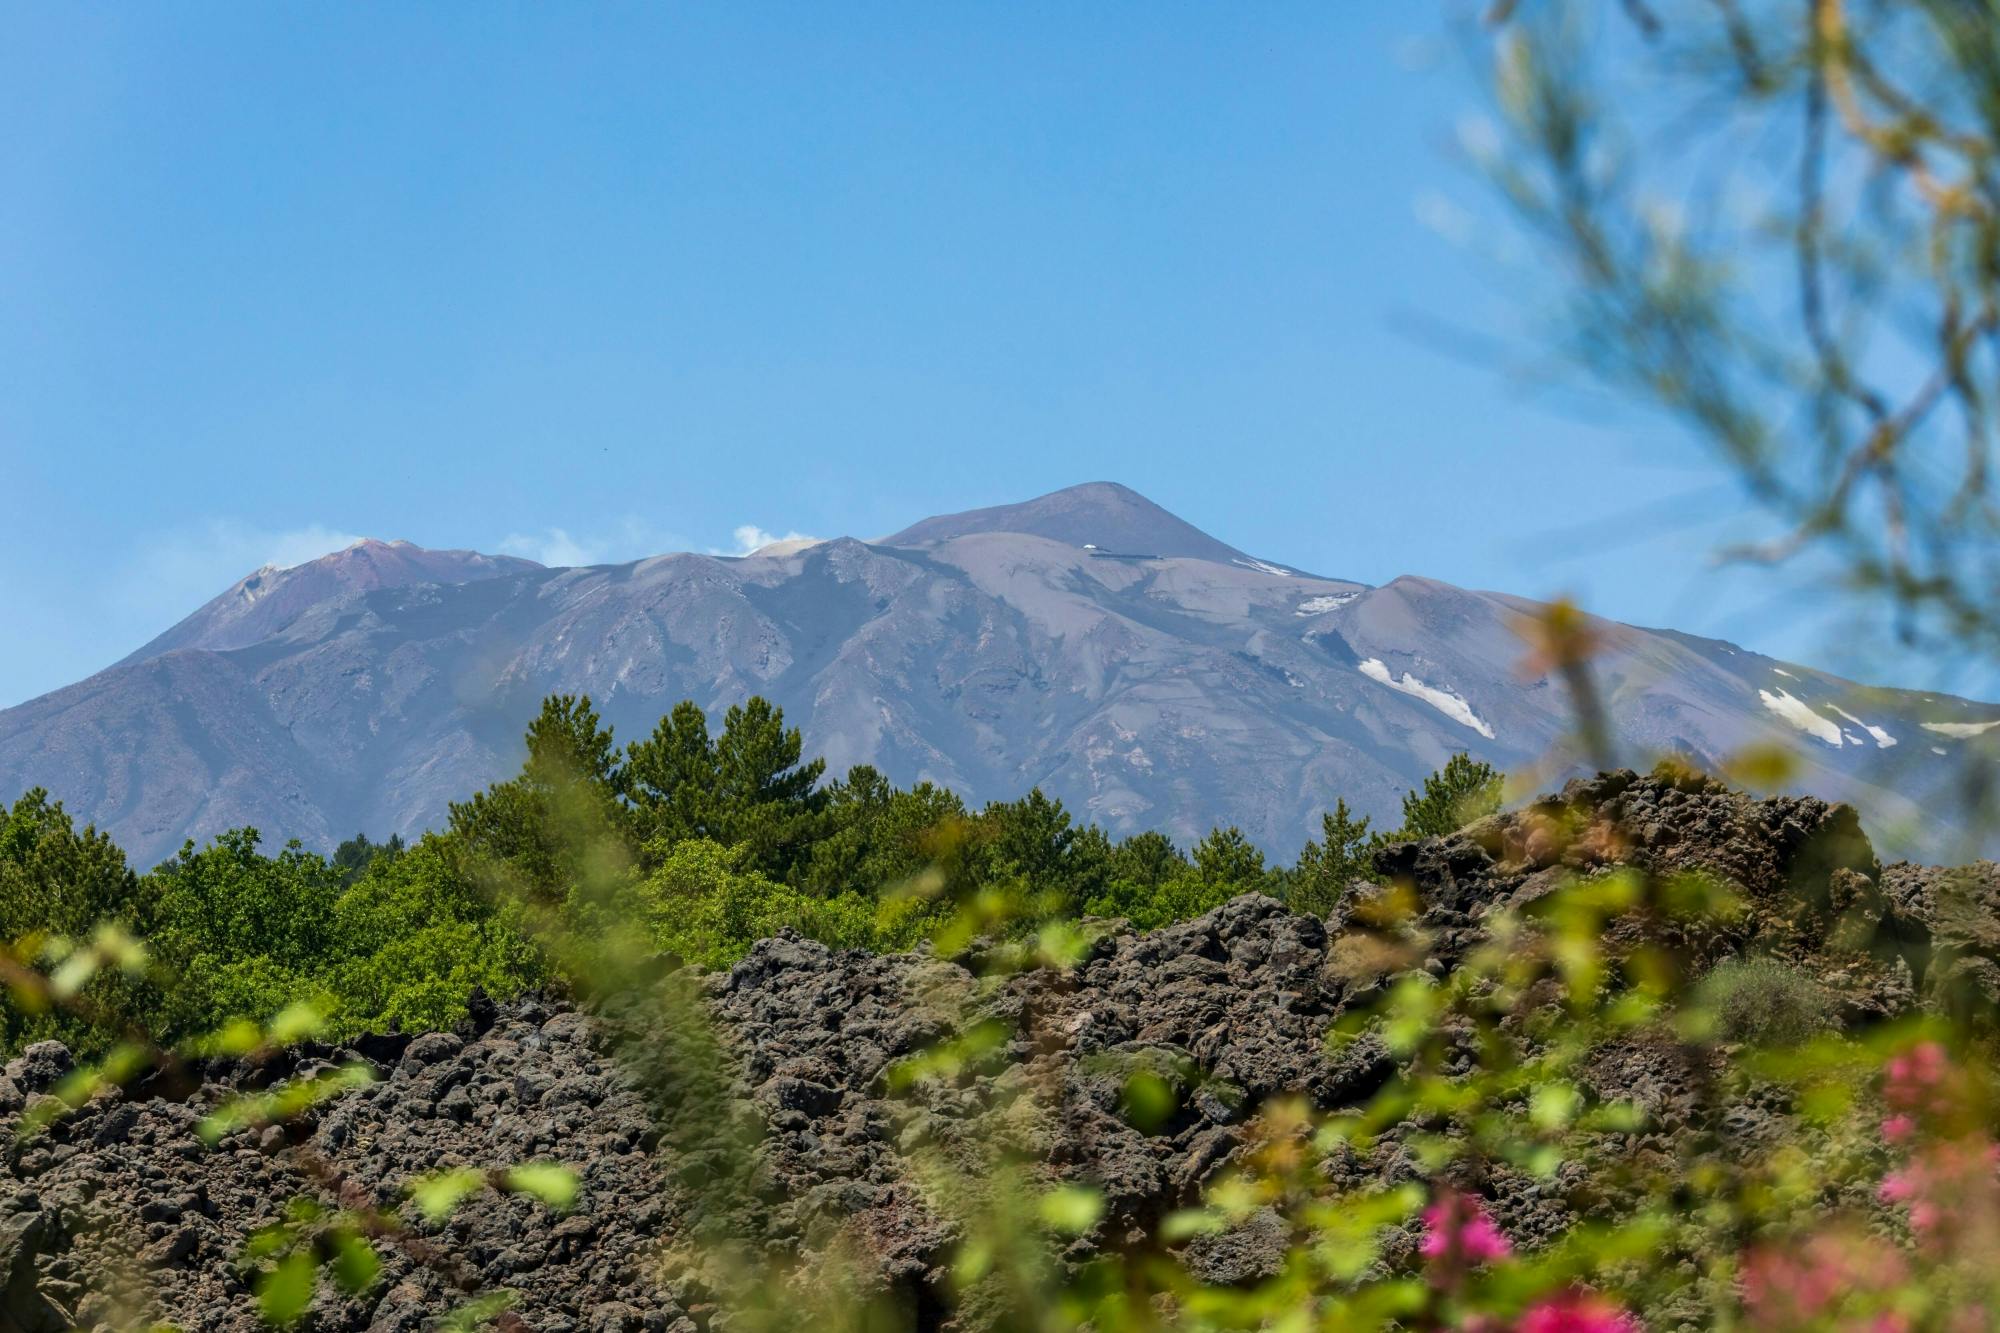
[[1764, 1002]]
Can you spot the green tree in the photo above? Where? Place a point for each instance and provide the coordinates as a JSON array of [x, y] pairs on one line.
[[58, 882], [1148, 859], [744, 788], [1327, 865], [1150, 884], [240, 933], [416, 935], [1029, 837], [559, 825], [768, 801], [673, 778], [876, 838], [354, 856], [56, 879], [704, 904], [1463, 790], [1226, 858], [1025, 848]]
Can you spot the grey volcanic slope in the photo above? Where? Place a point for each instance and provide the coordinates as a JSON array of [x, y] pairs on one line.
[[1171, 693], [1099, 516], [265, 601]]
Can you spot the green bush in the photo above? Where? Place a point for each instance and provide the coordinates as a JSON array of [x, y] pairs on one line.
[[1764, 1002]]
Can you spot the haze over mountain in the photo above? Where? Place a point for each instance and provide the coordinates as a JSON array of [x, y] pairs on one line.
[[1086, 641]]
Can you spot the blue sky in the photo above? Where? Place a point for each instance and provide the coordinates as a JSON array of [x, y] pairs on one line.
[[599, 281]]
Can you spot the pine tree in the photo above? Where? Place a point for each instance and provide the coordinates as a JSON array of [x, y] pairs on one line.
[[674, 779], [1030, 838], [557, 826], [1226, 858], [1463, 790], [1327, 866], [767, 801], [1149, 859]]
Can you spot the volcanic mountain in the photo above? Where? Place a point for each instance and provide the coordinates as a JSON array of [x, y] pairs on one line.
[[1087, 642]]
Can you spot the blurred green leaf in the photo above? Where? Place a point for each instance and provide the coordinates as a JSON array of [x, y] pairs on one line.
[[295, 1022], [1147, 1101], [436, 1195], [1071, 1209], [355, 1264], [1552, 1106], [554, 1185], [284, 1293], [1187, 1222], [479, 1310]]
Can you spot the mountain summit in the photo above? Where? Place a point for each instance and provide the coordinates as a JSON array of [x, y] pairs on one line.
[[1087, 642], [263, 602], [1098, 515]]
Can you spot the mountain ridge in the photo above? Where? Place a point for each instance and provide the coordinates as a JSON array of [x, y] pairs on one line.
[[365, 690]]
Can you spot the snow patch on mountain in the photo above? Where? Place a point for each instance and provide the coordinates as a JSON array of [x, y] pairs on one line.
[[1319, 606], [1961, 730], [1451, 705], [1883, 740], [1796, 712], [1261, 567]]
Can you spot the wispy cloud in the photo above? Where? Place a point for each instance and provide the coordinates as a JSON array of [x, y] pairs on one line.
[[177, 570], [215, 554], [749, 537], [630, 539], [286, 549], [552, 546]]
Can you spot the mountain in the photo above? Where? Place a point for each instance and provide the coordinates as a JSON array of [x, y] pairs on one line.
[[1099, 516], [1088, 642], [263, 602]]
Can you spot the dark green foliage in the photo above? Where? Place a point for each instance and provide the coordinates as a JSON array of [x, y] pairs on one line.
[[1463, 790], [876, 838], [234, 933], [768, 801], [1148, 859], [56, 882], [1225, 856], [547, 829], [358, 853], [672, 778], [53, 878], [746, 788], [1029, 839], [1341, 854], [242, 933], [416, 936], [404, 944]]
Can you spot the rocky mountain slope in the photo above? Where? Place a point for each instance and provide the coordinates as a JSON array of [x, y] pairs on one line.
[[1087, 642], [1237, 1002]]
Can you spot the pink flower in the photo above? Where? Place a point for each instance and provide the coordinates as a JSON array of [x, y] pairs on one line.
[[1801, 1285], [1920, 1080], [1944, 1183], [1457, 1231], [1898, 1127], [1576, 1312]]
